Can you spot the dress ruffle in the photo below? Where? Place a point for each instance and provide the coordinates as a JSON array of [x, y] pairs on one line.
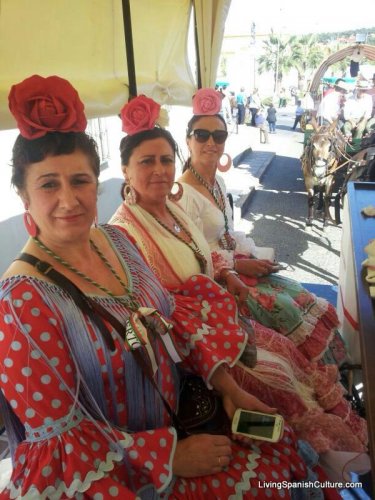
[[205, 318], [73, 461], [307, 394]]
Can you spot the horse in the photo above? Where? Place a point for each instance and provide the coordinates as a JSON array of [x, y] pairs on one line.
[[320, 163]]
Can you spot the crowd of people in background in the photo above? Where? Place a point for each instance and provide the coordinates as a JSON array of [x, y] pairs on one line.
[[352, 107]]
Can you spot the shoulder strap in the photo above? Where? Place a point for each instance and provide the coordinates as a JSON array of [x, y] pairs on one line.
[[87, 305], [94, 310]]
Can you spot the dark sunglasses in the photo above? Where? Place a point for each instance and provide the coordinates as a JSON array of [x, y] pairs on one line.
[[201, 135]]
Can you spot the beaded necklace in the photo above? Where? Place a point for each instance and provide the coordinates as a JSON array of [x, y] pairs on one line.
[[130, 301], [192, 245], [226, 242]]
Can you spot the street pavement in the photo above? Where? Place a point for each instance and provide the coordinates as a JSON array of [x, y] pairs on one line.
[[271, 204]]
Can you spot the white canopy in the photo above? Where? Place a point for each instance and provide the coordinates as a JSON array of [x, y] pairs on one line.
[[84, 42]]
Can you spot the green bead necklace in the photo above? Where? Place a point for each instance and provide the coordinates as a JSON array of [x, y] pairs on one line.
[[130, 301]]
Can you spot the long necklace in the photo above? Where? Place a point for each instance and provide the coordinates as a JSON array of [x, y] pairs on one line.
[[192, 245], [133, 304], [226, 242]]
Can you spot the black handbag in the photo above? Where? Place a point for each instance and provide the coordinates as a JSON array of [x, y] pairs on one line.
[[200, 410]]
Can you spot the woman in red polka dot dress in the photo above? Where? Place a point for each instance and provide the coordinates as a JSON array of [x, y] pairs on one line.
[[82, 418]]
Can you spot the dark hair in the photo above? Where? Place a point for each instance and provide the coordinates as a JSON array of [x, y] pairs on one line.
[[195, 118], [27, 151], [130, 142]]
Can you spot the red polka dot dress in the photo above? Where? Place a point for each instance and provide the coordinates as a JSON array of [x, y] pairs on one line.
[[90, 425]]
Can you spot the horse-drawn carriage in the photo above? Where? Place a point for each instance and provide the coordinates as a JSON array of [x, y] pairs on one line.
[[329, 161]]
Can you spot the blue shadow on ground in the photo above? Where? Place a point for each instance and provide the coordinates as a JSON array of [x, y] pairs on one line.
[[328, 292]]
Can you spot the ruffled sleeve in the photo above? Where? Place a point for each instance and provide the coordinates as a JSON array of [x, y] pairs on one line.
[[205, 330], [66, 450]]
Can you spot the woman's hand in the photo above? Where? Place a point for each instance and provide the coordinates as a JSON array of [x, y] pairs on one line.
[[233, 396], [201, 455], [237, 287], [254, 268], [238, 398]]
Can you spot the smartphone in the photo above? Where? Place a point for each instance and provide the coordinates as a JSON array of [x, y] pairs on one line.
[[258, 425], [278, 267]]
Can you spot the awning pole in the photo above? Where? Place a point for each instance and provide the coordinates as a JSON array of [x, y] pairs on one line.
[[199, 74], [129, 48]]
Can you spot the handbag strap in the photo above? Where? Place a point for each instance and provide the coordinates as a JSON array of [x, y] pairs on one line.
[[82, 301], [95, 311]]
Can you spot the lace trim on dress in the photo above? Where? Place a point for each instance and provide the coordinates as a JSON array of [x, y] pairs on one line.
[[77, 485], [53, 428], [245, 485]]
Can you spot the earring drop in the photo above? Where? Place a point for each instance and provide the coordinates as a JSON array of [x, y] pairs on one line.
[[30, 224], [224, 167]]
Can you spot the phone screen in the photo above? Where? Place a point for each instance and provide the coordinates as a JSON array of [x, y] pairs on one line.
[[257, 425]]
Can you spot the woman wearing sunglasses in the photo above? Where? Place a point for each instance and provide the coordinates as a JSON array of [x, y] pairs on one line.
[[306, 395], [276, 302]]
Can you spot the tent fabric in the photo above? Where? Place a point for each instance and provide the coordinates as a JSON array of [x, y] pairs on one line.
[[84, 42], [210, 20]]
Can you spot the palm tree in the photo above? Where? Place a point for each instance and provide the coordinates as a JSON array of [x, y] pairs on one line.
[[306, 55], [275, 57]]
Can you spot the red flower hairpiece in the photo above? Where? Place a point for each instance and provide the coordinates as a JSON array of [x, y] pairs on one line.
[[140, 114], [207, 102], [42, 105]]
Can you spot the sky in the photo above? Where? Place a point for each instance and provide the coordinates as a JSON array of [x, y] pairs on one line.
[[298, 17]]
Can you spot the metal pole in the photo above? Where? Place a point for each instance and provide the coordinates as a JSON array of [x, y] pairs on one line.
[[199, 73], [129, 48]]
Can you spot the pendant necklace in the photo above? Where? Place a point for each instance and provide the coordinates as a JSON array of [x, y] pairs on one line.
[[227, 242], [192, 245]]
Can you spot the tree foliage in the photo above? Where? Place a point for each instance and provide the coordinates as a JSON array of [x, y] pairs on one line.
[[304, 53]]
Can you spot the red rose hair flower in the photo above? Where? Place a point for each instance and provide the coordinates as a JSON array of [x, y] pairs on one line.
[[42, 105], [207, 102], [141, 113]]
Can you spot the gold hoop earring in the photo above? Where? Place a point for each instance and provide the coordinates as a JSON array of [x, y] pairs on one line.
[[224, 167], [176, 195], [130, 195]]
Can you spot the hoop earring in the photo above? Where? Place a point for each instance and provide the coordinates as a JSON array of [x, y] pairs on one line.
[[176, 196], [224, 167], [30, 224], [130, 195], [95, 223]]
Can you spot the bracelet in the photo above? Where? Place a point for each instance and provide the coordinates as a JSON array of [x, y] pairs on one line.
[[230, 271]]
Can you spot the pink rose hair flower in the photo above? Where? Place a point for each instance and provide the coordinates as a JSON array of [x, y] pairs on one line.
[[207, 102], [42, 105], [140, 114]]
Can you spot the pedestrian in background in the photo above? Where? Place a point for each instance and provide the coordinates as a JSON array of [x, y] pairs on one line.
[[271, 118], [254, 106], [282, 98], [299, 113], [260, 122], [241, 102]]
